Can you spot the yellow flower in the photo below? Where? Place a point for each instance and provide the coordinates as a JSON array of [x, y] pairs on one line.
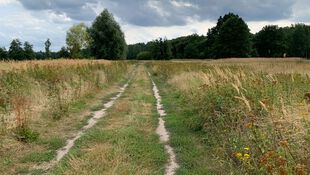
[[247, 148], [238, 155], [246, 156]]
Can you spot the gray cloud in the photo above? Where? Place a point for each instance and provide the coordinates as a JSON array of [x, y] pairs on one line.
[[75, 9], [167, 12]]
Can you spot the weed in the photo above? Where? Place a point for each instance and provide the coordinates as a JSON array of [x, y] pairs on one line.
[[25, 134], [235, 107], [38, 157]]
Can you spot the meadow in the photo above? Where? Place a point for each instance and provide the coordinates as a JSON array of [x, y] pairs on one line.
[[230, 116], [42, 102], [238, 116]]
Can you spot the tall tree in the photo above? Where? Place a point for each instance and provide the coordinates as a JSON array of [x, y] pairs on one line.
[[28, 51], [77, 39], [47, 48], [16, 51], [233, 39], [229, 38], [300, 40], [270, 42], [3, 53], [160, 49], [212, 49], [108, 38]]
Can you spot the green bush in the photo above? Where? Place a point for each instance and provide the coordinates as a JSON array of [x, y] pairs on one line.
[[144, 56], [26, 134]]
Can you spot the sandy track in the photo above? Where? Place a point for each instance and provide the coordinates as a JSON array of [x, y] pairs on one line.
[[161, 130], [61, 153]]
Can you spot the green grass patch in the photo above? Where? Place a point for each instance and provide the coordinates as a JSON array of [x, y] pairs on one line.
[[38, 157]]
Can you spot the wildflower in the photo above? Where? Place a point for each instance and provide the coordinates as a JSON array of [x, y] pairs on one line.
[[246, 156], [238, 155], [247, 148]]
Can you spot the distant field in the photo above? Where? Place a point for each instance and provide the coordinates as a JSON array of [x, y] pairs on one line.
[[9, 65], [229, 116]]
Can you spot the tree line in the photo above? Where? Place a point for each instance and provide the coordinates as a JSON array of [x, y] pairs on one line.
[[103, 40], [231, 37], [24, 51]]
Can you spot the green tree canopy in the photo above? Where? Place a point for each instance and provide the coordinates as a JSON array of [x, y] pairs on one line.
[[108, 38], [270, 42], [3, 53], [233, 38], [160, 49], [145, 55], [135, 49], [16, 51], [28, 51], [229, 38], [47, 48], [299, 41], [63, 53], [77, 39]]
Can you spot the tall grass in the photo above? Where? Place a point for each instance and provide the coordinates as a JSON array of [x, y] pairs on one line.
[[255, 121], [50, 86]]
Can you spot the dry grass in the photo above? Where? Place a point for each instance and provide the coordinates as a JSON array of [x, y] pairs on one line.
[[34, 94], [125, 141], [18, 65], [241, 103]]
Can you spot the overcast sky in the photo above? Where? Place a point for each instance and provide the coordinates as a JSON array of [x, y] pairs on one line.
[[141, 20]]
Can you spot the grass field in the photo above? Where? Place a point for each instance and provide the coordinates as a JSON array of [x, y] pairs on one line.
[[238, 116], [233, 116], [43, 102]]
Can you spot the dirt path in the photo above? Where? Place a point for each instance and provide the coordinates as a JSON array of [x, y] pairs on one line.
[[161, 130], [125, 141], [96, 116]]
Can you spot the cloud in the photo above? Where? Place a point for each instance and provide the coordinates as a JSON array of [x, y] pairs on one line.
[[141, 20], [168, 12], [80, 10], [182, 4], [135, 34], [32, 26], [301, 11]]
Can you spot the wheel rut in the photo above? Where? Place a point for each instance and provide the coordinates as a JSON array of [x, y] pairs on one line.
[[97, 115], [163, 133]]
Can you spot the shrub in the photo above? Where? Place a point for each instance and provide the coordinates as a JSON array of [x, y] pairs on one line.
[[25, 134], [144, 56]]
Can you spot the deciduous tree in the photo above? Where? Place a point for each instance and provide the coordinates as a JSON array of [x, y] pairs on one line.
[[16, 51], [47, 48], [108, 38], [77, 39], [28, 51]]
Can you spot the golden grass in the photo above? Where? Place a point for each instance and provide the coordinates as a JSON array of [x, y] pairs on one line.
[[82, 85], [18, 65], [256, 102]]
